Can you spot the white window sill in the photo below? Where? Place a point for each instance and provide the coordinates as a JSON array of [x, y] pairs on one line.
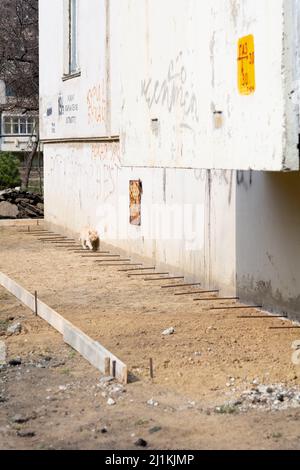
[[71, 75]]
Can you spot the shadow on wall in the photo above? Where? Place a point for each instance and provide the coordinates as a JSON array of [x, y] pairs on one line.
[[268, 240]]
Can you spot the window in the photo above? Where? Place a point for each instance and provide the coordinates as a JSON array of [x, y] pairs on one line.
[[7, 125], [15, 125], [71, 38], [30, 125], [19, 125], [9, 91], [23, 125]]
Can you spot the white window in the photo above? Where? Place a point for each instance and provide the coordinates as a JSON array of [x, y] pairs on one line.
[[19, 125], [7, 125], [73, 36], [23, 128], [30, 125], [15, 125], [71, 66]]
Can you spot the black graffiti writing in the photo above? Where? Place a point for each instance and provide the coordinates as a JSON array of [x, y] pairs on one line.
[[172, 91]]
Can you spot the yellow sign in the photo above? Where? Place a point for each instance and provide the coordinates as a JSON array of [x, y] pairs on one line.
[[246, 65]]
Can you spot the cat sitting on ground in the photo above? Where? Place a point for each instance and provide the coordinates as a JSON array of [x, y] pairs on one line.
[[89, 239]]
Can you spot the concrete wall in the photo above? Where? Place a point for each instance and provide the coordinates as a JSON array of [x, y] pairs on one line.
[[204, 214], [88, 105], [15, 144], [268, 240], [138, 59], [188, 216], [179, 65]]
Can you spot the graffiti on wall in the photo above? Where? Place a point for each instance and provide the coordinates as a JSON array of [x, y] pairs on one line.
[[60, 105], [96, 104], [244, 178], [69, 110], [109, 155], [47, 121], [173, 91], [220, 177]]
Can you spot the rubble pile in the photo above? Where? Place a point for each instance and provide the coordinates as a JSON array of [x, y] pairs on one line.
[[271, 397], [18, 204]]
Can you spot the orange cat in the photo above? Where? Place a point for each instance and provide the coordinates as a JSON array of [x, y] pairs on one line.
[[89, 239]]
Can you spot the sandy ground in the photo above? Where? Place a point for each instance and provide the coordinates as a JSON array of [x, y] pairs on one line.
[[58, 391]]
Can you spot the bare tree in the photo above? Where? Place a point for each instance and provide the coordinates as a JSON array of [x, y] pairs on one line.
[[19, 61]]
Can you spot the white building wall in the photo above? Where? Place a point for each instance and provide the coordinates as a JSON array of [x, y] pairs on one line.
[[268, 240], [179, 65], [187, 215], [11, 143], [184, 163], [85, 99], [176, 61], [15, 144]]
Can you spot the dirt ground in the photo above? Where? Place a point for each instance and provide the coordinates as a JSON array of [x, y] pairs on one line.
[[213, 357]]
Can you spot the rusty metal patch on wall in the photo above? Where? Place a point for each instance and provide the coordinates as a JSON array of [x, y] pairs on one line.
[[135, 192]]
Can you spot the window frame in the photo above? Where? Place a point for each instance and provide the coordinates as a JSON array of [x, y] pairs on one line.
[[30, 123], [71, 68]]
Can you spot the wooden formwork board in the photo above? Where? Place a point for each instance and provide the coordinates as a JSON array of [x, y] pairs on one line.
[[20, 222], [91, 350]]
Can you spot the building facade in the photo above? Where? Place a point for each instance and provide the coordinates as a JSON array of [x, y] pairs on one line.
[[18, 130], [173, 128]]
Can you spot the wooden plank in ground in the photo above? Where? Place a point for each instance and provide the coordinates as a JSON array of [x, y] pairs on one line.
[[59, 246], [85, 251], [59, 242], [262, 317], [137, 269], [181, 285], [148, 274], [284, 328], [67, 243], [163, 278], [113, 265], [116, 260], [239, 307], [100, 256], [91, 350], [198, 292], [38, 234], [35, 232], [208, 299], [20, 222], [48, 238]]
